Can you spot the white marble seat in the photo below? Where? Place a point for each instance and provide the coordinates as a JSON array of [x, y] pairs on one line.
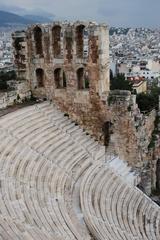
[[106, 196], [55, 183]]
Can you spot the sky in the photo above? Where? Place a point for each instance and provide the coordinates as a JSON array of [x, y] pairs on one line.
[[125, 13]]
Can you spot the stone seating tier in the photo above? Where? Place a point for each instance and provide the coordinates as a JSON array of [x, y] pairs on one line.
[[58, 183]]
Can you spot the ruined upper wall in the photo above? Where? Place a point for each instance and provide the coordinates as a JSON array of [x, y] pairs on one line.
[[82, 45], [68, 41], [69, 63]]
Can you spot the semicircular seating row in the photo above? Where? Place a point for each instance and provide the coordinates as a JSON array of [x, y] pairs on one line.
[[55, 184]]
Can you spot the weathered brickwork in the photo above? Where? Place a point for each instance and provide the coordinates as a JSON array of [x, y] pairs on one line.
[[69, 64]]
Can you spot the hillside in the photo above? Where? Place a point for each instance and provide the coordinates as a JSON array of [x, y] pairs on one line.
[[7, 18], [37, 18]]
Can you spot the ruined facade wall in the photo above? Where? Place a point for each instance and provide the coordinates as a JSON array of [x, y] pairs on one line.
[[84, 105], [78, 81]]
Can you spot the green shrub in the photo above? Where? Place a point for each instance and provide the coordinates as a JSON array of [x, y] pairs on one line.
[[18, 97], [120, 83], [6, 76], [150, 100], [3, 85], [111, 99]]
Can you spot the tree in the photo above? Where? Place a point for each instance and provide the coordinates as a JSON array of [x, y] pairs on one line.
[[119, 82], [145, 101], [3, 85], [6, 76], [150, 100]]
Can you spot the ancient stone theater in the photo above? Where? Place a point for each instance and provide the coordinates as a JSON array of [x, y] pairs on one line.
[[73, 164]]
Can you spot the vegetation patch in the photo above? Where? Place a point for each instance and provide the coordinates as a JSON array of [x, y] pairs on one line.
[[111, 99], [4, 77], [148, 101], [120, 83]]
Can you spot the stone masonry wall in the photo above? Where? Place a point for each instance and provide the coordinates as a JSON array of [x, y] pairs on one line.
[[132, 130], [84, 45], [69, 64], [21, 92]]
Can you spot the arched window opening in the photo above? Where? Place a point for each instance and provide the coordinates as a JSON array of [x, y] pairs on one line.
[[56, 41], [57, 77], [38, 40], [40, 77], [60, 78], [80, 40], [80, 78]]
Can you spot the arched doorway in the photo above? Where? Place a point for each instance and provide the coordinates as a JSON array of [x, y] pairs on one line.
[[80, 78], [40, 77], [60, 78]]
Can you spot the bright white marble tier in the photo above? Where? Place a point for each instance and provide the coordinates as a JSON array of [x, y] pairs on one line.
[[56, 183]]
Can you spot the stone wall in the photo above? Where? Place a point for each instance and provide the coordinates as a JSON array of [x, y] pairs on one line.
[[20, 93], [69, 64], [74, 62], [132, 130]]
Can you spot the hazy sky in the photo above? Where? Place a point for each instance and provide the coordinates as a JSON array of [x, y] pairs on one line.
[[114, 12]]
